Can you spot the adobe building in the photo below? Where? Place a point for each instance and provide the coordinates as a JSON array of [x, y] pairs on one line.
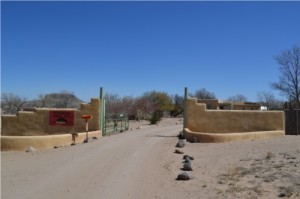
[[216, 104]]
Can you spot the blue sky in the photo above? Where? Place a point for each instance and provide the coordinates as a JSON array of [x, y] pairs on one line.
[[133, 47]]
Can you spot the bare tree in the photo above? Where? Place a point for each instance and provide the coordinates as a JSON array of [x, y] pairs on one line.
[[146, 103], [42, 100], [178, 102], [237, 98], [203, 94], [128, 105], [65, 98], [266, 98], [289, 66], [12, 103], [113, 103], [152, 104]]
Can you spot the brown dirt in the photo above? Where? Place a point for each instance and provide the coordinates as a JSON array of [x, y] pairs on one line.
[[141, 163]]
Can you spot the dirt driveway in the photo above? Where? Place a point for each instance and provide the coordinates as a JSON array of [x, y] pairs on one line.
[[127, 165], [141, 163]]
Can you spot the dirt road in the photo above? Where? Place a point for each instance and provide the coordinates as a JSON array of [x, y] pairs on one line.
[[141, 163], [128, 165]]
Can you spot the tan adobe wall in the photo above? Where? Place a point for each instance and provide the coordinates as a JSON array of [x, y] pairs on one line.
[[37, 122], [210, 103], [231, 121], [21, 143], [229, 137]]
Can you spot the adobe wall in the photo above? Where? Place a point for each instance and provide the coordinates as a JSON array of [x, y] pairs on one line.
[[36, 123], [229, 137], [41, 142], [231, 121], [213, 103]]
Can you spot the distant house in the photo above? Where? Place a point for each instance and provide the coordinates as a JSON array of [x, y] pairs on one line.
[[263, 108], [247, 106], [210, 103], [216, 104]]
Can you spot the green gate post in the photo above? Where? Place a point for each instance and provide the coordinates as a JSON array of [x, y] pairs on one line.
[[102, 114], [104, 118], [121, 125], [184, 108]]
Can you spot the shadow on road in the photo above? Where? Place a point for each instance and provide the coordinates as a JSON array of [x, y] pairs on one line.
[[163, 136]]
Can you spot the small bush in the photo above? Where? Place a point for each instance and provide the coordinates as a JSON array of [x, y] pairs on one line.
[[155, 118]]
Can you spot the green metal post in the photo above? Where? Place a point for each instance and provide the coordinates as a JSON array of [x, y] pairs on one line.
[[184, 108], [102, 109], [121, 125], [103, 115]]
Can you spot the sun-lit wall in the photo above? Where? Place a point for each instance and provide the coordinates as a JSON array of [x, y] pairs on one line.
[[218, 122], [45, 128], [38, 121]]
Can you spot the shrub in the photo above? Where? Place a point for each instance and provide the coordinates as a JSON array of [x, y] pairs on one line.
[[155, 118]]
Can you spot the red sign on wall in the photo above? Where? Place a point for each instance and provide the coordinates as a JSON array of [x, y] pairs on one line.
[[61, 118]]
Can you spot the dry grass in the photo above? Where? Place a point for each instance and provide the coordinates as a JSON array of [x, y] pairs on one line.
[[252, 181]]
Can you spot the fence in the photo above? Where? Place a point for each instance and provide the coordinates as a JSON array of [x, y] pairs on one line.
[[292, 122], [115, 123]]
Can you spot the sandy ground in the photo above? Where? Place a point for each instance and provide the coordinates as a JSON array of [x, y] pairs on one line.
[[141, 163]]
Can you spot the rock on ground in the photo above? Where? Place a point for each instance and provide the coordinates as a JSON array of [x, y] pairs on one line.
[[30, 149], [184, 176], [187, 166]]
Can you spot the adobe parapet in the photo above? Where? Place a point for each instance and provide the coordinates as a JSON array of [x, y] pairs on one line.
[[228, 125], [51, 124]]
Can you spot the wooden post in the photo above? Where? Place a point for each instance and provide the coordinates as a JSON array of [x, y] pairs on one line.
[[86, 129], [86, 118]]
